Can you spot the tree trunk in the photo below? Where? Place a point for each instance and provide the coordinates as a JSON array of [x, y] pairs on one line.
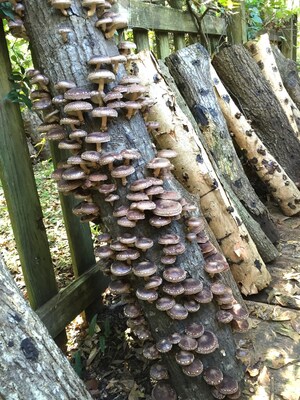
[[289, 74], [270, 172], [195, 172], [190, 68], [58, 62], [265, 247], [262, 54], [242, 77], [31, 365]]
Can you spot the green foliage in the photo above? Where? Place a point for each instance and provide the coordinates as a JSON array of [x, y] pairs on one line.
[[77, 364], [6, 11]]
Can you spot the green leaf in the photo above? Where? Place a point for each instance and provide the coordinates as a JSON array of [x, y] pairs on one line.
[[107, 329], [77, 366], [6, 11], [102, 344], [92, 325]]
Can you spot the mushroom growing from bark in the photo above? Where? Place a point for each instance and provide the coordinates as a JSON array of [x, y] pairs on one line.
[[77, 108], [62, 5], [92, 5], [104, 113]]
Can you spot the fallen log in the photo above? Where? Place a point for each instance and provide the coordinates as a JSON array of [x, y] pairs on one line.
[[262, 53], [31, 365], [289, 74], [242, 77], [270, 172], [130, 133], [263, 244], [195, 172], [190, 68]]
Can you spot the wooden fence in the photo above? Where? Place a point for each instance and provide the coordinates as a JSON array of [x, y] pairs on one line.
[[171, 29]]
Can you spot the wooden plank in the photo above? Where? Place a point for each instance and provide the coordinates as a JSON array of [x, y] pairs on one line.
[[159, 18], [237, 27], [179, 38], [69, 302], [141, 39], [21, 194], [163, 45]]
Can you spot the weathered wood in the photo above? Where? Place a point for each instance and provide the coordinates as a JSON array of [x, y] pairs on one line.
[[31, 365], [195, 172], [127, 134], [269, 171], [163, 45], [289, 74], [265, 247], [242, 77], [237, 27], [179, 38], [21, 194], [141, 39], [190, 68], [156, 17], [289, 42], [62, 308], [261, 52]]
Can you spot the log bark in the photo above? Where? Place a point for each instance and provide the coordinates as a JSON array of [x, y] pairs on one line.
[[243, 79], [195, 172], [190, 68], [265, 247], [262, 53], [270, 172], [31, 365], [289, 74], [58, 62]]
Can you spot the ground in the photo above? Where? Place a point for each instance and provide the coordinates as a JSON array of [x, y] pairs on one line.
[[109, 360]]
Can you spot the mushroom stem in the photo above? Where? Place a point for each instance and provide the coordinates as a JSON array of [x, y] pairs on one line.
[[98, 147], [156, 172], [80, 116], [64, 12], [64, 36], [101, 87], [103, 127], [91, 11], [124, 181], [130, 113], [85, 168]]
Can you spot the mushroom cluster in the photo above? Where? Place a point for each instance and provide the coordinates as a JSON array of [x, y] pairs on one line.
[[16, 25], [90, 173]]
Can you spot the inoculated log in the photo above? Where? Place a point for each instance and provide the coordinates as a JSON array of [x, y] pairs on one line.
[[270, 172], [263, 244], [190, 68], [289, 75], [124, 134], [262, 53], [243, 78], [31, 365], [195, 172]]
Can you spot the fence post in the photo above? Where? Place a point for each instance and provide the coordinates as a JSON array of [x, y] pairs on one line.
[[179, 38], [21, 194], [289, 42], [162, 40], [237, 28]]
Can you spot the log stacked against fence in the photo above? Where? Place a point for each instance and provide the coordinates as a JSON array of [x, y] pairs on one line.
[[194, 170], [164, 276], [243, 78]]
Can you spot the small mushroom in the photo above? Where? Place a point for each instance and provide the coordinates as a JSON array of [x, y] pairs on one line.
[[207, 343], [213, 376], [97, 138], [104, 113], [122, 172], [61, 5], [77, 108], [158, 372], [157, 164], [101, 77], [163, 391], [64, 31], [184, 357], [193, 369], [92, 5]]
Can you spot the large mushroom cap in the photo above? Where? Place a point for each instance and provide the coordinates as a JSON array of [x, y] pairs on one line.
[[213, 376], [144, 269], [77, 94], [163, 391], [184, 357], [103, 74], [193, 369], [146, 294], [192, 286], [207, 343], [188, 343], [120, 269], [165, 303], [194, 330], [174, 274], [178, 312], [228, 385], [167, 208], [158, 372]]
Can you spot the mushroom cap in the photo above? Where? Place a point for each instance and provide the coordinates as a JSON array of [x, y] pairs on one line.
[[158, 162], [141, 332], [122, 171], [104, 237], [69, 121], [235, 395], [126, 223], [137, 196], [120, 59], [133, 105], [238, 312], [164, 345], [91, 155], [130, 154], [170, 195], [74, 106], [56, 134], [117, 246], [144, 243], [193, 369], [174, 249], [173, 289], [192, 286], [111, 198], [187, 343], [165, 303], [107, 188], [68, 186], [64, 85], [129, 80], [140, 184], [169, 239], [224, 316], [126, 45], [174, 338], [129, 254], [119, 287], [194, 330], [207, 343], [146, 294], [103, 252], [167, 153], [76, 93], [111, 96], [218, 288], [228, 385], [78, 134], [104, 112], [159, 222], [97, 137], [215, 267], [195, 222], [191, 305], [184, 357], [135, 215], [151, 352], [154, 190], [167, 208], [213, 376], [99, 60], [127, 238], [178, 312], [73, 173], [163, 391], [154, 282], [168, 260], [158, 372], [203, 297], [67, 144], [174, 274], [101, 75], [143, 205], [132, 310], [97, 176], [144, 269]]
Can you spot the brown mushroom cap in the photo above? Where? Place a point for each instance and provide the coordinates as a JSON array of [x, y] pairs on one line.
[[174, 338], [144, 269], [144, 243], [191, 305], [127, 238], [76, 93], [159, 222], [119, 287], [154, 282], [168, 260], [167, 153], [178, 312], [193, 369], [149, 295], [188, 343], [228, 385], [207, 343], [184, 357], [169, 239], [174, 274], [173, 289], [163, 391], [238, 312], [224, 317], [164, 345], [132, 310], [194, 330], [165, 303], [137, 196], [151, 352], [73, 173], [167, 208], [98, 60], [174, 249], [192, 286], [158, 372], [213, 376], [122, 172]]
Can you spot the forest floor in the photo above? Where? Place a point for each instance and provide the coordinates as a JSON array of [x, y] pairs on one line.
[[109, 360]]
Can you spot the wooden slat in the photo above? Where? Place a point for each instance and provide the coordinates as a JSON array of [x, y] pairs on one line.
[[163, 45], [179, 38], [141, 39], [69, 302], [21, 194], [159, 18]]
